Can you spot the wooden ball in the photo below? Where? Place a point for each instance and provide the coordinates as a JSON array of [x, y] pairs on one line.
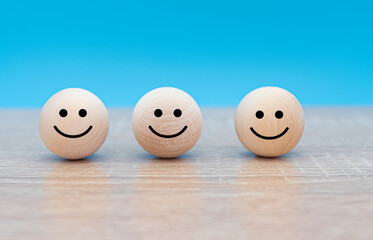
[[167, 122], [73, 123], [269, 121]]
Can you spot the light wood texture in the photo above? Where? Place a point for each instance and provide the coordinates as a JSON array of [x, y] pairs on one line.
[[74, 123], [167, 122], [322, 189], [269, 121]]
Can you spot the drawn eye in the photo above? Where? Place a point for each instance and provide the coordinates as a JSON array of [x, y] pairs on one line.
[[279, 114], [82, 113], [158, 113], [63, 113], [177, 113], [259, 114]]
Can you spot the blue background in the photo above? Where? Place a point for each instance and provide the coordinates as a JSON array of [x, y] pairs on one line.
[[217, 51]]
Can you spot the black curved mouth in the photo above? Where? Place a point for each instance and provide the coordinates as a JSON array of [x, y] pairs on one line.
[[73, 136], [168, 136], [269, 138]]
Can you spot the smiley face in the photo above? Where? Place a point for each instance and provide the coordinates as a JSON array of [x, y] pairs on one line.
[[177, 113], [259, 114], [73, 123], [269, 121], [167, 122], [82, 113]]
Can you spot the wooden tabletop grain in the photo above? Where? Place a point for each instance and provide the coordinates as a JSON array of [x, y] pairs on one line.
[[323, 189]]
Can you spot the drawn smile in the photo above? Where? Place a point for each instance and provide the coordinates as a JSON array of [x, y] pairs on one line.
[[269, 138], [72, 136], [168, 136]]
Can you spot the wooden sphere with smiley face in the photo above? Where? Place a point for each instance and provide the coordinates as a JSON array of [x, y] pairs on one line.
[[73, 123], [269, 121], [167, 122]]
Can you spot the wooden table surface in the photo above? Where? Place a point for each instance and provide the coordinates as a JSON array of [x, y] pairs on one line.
[[323, 189]]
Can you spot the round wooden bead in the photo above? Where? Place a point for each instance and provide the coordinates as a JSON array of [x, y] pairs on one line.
[[167, 122], [73, 123], [269, 121]]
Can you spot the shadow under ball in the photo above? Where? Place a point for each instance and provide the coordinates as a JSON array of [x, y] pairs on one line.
[[269, 121], [167, 122], [73, 123]]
